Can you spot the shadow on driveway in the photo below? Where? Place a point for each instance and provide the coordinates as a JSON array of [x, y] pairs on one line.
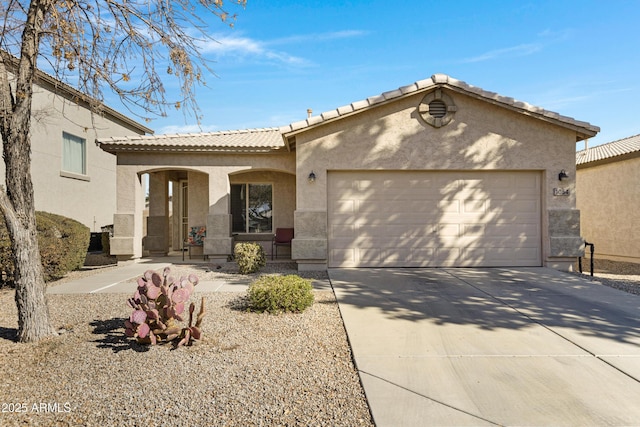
[[526, 346]]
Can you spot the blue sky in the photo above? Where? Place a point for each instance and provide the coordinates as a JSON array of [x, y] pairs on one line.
[[578, 58]]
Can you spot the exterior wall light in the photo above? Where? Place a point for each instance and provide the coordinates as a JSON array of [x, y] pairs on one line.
[[562, 175], [312, 177]]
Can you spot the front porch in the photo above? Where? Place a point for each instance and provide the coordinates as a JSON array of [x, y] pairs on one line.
[[237, 186], [272, 254], [175, 257]]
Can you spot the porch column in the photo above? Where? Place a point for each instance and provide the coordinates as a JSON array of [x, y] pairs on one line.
[[157, 239], [565, 241], [219, 244], [126, 243], [309, 247], [198, 189]]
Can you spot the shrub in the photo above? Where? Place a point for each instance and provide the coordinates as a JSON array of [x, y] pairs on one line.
[[158, 305], [63, 244], [250, 257], [62, 241], [106, 242], [276, 294]]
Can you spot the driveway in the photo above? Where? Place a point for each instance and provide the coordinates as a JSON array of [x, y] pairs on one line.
[[468, 347]]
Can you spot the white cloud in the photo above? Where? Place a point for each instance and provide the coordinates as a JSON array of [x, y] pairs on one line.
[[248, 47], [589, 94], [557, 35], [306, 38], [519, 50]]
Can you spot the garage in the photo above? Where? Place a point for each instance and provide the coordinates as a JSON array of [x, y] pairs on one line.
[[434, 218]]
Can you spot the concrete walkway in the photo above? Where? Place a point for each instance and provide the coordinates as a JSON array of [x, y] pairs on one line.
[[118, 280], [469, 347]]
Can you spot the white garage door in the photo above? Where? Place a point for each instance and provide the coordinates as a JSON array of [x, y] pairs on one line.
[[434, 219]]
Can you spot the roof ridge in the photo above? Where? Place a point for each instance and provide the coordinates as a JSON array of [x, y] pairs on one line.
[[245, 140], [436, 80]]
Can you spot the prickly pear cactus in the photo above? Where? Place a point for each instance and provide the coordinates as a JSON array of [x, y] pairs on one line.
[[158, 306]]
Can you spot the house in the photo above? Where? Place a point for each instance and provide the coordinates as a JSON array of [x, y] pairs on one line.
[[436, 173], [608, 187], [71, 175]]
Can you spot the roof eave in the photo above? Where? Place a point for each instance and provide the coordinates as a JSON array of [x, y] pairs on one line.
[[130, 148], [611, 159], [81, 98], [583, 130]]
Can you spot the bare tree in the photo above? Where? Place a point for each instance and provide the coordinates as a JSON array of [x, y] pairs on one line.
[[126, 47]]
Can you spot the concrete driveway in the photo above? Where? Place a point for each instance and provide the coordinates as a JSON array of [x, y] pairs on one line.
[[468, 347]]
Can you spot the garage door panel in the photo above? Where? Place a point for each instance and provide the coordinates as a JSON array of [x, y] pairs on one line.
[[447, 256], [449, 206], [523, 182], [474, 230], [520, 206], [380, 207], [415, 218], [448, 230], [409, 258], [338, 231], [343, 257], [515, 228], [344, 206], [507, 256], [370, 257], [474, 206]]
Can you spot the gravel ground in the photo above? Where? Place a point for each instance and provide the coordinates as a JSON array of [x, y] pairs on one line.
[[624, 276], [248, 370]]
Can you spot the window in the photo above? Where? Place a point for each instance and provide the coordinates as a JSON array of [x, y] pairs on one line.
[[74, 154], [251, 208]]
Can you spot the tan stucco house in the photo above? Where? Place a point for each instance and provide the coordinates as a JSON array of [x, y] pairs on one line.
[[608, 187], [436, 173], [71, 175]]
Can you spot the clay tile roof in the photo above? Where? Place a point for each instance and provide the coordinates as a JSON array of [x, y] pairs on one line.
[[583, 129], [247, 140], [610, 150]]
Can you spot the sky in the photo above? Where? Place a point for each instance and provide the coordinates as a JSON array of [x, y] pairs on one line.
[[577, 58]]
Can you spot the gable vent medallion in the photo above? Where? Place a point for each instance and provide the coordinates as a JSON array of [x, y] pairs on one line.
[[437, 108]]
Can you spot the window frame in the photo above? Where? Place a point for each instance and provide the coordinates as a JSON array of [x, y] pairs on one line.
[[246, 218], [67, 171]]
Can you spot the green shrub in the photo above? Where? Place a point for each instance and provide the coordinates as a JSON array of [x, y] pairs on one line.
[[275, 294], [250, 257], [63, 244]]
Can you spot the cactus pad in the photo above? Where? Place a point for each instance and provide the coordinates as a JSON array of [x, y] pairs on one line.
[[158, 305]]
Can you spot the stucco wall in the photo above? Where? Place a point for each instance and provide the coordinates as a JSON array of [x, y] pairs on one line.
[[90, 199], [480, 136], [209, 177], [609, 202]]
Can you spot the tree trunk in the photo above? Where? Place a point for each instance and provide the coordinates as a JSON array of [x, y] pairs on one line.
[[17, 203], [33, 311]]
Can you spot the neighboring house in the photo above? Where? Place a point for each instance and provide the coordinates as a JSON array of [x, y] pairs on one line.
[[608, 187], [71, 175], [437, 173]]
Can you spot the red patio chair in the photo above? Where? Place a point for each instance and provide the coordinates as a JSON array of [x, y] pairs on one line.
[[283, 237]]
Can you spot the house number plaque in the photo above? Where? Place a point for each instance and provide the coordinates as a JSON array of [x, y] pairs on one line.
[[560, 191]]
